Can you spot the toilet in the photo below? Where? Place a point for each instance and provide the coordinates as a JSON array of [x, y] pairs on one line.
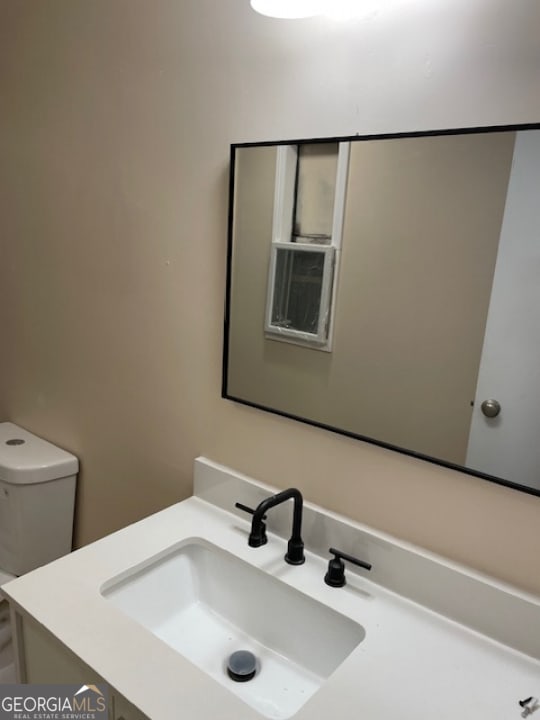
[[37, 500]]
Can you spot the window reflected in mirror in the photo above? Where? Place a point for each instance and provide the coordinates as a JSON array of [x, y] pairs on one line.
[[297, 290]]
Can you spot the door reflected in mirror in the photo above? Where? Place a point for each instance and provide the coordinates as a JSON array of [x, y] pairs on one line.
[[434, 295]]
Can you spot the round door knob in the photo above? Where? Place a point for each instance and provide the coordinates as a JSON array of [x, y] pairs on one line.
[[491, 408]]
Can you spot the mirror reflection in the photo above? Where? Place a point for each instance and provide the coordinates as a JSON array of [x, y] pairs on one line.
[[387, 288]]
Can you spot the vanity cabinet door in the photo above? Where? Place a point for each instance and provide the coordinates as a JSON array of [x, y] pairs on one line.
[[124, 710], [43, 660]]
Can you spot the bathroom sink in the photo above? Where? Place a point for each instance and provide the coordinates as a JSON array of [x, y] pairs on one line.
[[207, 604]]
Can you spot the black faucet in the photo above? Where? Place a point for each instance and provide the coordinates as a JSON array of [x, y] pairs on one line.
[[257, 536]]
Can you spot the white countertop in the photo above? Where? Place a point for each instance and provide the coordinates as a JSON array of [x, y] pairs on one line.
[[413, 664]]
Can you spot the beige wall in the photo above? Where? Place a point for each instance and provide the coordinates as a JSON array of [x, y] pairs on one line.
[[114, 131], [421, 231]]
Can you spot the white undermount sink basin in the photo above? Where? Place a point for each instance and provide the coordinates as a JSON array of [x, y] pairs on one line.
[[206, 604]]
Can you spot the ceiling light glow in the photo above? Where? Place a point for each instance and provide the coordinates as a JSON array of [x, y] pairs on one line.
[[289, 9]]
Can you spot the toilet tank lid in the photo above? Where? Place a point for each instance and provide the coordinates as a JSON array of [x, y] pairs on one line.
[[26, 459]]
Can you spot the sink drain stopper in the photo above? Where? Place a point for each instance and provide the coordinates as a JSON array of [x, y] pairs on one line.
[[242, 666]]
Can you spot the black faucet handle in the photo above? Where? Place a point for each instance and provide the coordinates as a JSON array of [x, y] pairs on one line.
[[247, 509], [335, 575], [260, 537]]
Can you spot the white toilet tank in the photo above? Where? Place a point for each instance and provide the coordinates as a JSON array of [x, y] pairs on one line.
[[37, 499]]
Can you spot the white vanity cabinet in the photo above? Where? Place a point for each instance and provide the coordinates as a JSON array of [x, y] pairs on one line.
[[43, 659], [437, 638]]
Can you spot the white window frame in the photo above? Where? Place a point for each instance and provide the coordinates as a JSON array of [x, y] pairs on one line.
[[284, 197], [290, 334]]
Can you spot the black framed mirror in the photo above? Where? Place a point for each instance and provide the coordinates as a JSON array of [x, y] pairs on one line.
[[387, 287]]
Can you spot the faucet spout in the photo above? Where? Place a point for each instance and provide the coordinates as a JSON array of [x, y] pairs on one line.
[[295, 547]]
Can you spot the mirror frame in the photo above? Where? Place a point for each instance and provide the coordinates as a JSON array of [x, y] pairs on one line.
[[230, 225]]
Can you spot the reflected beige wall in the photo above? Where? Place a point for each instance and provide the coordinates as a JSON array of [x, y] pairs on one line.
[[421, 231], [114, 137]]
